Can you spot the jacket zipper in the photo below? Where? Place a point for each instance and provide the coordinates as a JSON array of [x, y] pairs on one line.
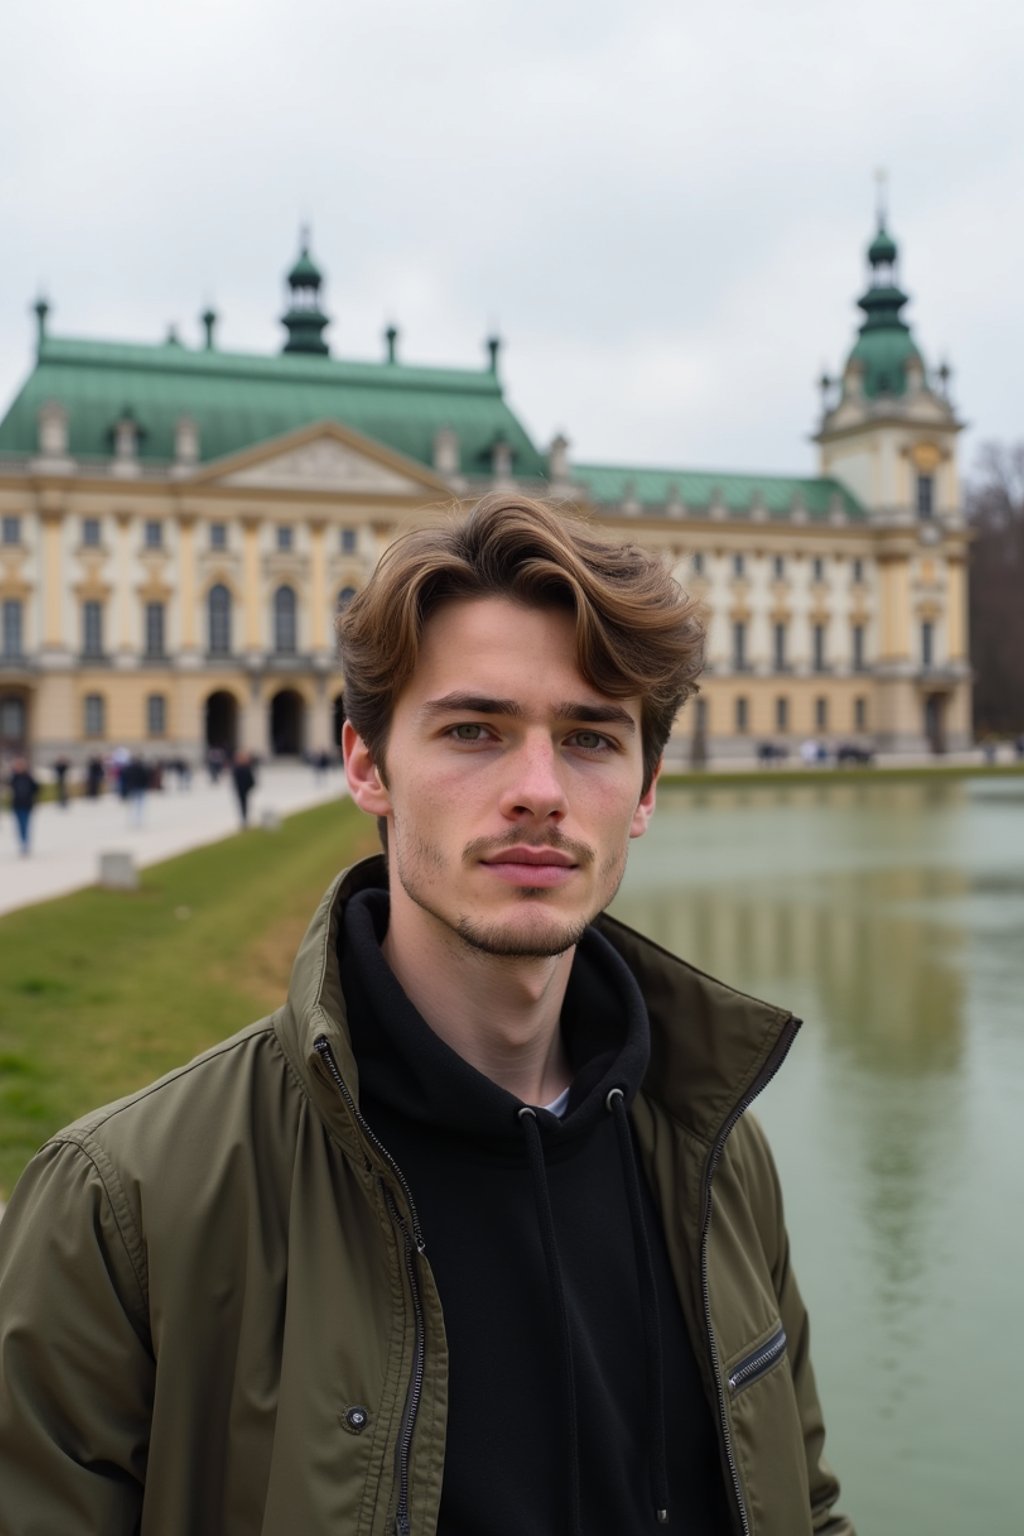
[[412, 1246], [769, 1070], [759, 1363]]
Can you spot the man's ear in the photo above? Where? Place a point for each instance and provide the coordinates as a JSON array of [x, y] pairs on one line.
[[366, 786], [645, 807]]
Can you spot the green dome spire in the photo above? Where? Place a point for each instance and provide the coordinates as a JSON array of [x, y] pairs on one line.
[[885, 345], [305, 321]]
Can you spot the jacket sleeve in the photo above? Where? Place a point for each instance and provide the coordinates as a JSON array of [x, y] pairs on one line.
[[823, 1484], [76, 1368]]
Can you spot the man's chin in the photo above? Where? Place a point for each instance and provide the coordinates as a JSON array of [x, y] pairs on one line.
[[525, 940]]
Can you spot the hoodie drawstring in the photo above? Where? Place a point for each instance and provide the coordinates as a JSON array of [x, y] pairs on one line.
[[616, 1107]]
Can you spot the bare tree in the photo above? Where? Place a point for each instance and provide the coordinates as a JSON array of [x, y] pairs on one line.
[[995, 508]]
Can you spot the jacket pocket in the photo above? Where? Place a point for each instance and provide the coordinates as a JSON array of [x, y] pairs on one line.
[[759, 1362]]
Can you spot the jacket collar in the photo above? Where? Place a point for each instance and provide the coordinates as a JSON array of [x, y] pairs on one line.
[[712, 1047]]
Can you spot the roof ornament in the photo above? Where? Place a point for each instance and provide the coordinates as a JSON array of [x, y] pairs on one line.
[[391, 343], [493, 348], [209, 322], [41, 309]]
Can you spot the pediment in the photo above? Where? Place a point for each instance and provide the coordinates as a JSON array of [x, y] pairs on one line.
[[328, 458]]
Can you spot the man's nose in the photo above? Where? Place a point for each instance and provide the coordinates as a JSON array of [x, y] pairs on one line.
[[534, 787]]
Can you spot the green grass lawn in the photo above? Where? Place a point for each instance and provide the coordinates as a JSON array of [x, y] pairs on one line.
[[102, 991]]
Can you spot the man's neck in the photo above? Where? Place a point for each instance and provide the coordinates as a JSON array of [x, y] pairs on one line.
[[499, 1013]]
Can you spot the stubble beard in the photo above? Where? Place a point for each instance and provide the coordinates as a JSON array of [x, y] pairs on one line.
[[544, 939]]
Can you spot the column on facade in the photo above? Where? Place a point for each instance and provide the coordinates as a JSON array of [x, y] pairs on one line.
[[52, 583], [255, 724], [319, 639], [320, 735], [252, 585], [895, 610], [956, 608], [125, 640], [187, 582]]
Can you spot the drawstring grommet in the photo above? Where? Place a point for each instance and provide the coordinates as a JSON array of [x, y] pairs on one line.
[[661, 1515], [611, 1096]]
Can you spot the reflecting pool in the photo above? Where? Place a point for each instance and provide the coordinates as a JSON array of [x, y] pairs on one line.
[[890, 917]]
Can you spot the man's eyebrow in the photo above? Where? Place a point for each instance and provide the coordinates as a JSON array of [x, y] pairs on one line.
[[571, 709]]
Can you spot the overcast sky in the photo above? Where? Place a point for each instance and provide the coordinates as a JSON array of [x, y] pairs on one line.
[[662, 206]]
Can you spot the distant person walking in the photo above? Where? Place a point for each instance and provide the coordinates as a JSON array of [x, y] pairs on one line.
[[245, 781], [134, 783], [94, 776], [60, 773], [24, 790]]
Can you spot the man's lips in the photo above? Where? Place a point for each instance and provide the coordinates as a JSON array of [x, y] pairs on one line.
[[536, 856], [532, 867]]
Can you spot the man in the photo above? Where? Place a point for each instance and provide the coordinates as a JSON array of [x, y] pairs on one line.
[[473, 1235], [24, 790], [244, 779]]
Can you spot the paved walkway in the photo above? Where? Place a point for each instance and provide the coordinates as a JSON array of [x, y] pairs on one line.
[[67, 843]]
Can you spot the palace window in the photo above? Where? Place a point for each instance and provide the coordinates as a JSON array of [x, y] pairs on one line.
[[927, 644], [739, 646], [11, 530], [218, 612], [348, 541], [156, 715], [860, 714], [742, 716], [782, 714], [92, 628], [91, 532], [218, 535], [697, 562], [153, 534], [284, 536], [858, 569], [284, 622], [739, 565], [94, 710], [12, 636], [926, 496], [779, 636], [857, 639], [818, 647], [154, 630], [821, 714], [779, 567], [818, 568]]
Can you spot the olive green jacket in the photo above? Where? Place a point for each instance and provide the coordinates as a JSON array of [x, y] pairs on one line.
[[217, 1315]]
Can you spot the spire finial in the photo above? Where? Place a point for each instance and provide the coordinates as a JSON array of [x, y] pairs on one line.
[[881, 200]]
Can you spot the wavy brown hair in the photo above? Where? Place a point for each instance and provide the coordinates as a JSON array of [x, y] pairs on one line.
[[637, 633]]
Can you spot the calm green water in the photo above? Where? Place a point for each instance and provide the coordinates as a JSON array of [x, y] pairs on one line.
[[890, 917]]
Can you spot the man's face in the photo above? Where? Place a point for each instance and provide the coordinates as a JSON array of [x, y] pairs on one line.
[[513, 785]]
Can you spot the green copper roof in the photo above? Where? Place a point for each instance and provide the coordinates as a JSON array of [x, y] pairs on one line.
[[885, 345], [240, 400], [699, 490]]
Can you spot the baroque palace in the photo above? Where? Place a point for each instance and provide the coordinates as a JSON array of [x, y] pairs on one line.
[[181, 524]]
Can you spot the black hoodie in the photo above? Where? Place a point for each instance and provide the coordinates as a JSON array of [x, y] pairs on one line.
[[574, 1401]]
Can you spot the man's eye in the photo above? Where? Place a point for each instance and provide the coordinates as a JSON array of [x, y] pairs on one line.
[[468, 732], [590, 741]]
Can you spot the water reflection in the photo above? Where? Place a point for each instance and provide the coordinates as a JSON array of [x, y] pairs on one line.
[[890, 917]]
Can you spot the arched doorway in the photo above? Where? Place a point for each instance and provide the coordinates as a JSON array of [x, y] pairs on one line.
[[935, 721], [222, 721], [338, 719], [287, 723], [13, 725]]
